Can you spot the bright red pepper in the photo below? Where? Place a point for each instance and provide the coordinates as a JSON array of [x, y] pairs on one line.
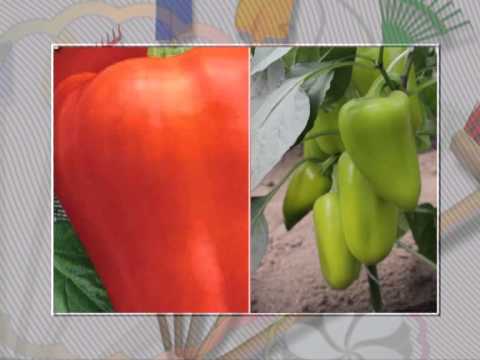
[[74, 60], [151, 165]]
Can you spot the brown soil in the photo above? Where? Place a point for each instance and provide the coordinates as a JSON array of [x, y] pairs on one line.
[[289, 278]]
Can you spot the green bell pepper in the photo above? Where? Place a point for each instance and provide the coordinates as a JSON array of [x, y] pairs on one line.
[[417, 110], [327, 120], [369, 222], [306, 185], [311, 149], [377, 133], [363, 78], [338, 265]]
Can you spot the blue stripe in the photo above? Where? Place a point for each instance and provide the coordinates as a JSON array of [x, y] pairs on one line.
[[181, 9]]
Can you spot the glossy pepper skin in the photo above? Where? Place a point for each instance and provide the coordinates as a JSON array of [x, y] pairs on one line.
[[363, 78], [151, 165], [328, 121], [377, 133], [75, 60], [306, 185], [369, 222], [339, 267], [417, 111], [311, 150]]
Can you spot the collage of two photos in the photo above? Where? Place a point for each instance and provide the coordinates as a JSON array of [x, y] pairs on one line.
[[235, 180]]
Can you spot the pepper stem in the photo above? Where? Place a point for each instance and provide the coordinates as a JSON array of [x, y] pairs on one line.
[[380, 67], [408, 66], [374, 285]]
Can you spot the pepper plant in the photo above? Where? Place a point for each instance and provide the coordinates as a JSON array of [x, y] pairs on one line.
[[362, 116]]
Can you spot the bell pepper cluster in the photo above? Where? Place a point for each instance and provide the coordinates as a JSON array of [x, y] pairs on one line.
[[356, 206]]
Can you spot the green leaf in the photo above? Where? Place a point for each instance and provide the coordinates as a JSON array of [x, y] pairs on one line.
[[423, 223], [77, 287], [342, 76], [420, 54], [337, 86], [259, 242], [278, 119], [259, 231], [316, 87], [429, 97], [427, 132], [308, 54], [290, 58], [258, 204], [403, 226], [266, 57], [424, 143], [164, 52], [425, 61]]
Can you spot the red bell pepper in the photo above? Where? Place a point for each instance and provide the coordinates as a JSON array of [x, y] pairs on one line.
[[151, 165], [74, 60]]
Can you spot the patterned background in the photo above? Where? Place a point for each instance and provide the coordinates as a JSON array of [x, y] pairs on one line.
[[27, 29]]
